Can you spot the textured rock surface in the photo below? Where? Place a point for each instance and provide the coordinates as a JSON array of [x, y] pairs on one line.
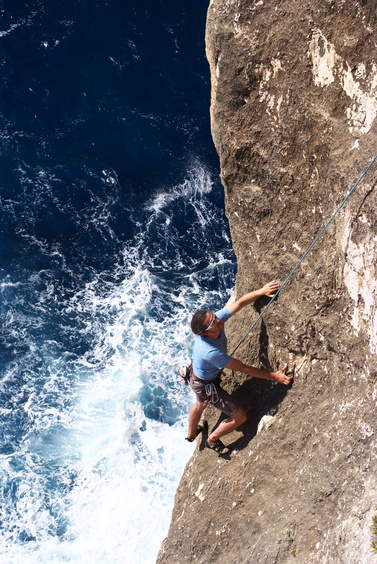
[[294, 106]]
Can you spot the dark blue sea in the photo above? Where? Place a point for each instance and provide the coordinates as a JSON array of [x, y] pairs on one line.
[[112, 234]]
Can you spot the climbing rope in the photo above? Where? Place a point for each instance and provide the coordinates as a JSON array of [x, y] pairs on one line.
[[306, 252]]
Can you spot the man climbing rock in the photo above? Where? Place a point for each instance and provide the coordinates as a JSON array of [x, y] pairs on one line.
[[210, 358]]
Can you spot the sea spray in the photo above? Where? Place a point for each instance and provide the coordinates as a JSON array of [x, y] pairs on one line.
[[92, 469]]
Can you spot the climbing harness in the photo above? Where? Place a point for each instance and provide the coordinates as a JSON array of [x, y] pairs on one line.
[[306, 252], [212, 394], [185, 373]]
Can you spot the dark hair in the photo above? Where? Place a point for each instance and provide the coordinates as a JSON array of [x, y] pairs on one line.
[[197, 321]]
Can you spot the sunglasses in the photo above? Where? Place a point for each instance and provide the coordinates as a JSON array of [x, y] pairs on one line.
[[212, 324]]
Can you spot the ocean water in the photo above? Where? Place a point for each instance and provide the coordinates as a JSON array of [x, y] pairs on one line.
[[112, 234]]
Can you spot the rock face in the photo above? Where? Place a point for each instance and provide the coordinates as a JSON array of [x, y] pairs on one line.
[[293, 113]]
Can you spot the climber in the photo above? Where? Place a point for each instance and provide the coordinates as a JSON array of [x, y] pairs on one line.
[[210, 358]]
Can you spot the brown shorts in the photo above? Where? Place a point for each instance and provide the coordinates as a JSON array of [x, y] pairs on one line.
[[217, 396]]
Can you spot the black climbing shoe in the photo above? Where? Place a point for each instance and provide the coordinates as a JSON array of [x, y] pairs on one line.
[[219, 447], [201, 428]]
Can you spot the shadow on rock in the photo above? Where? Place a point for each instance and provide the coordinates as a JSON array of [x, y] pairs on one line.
[[258, 398]]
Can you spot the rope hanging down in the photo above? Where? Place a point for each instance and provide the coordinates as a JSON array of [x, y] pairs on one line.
[[306, 253]]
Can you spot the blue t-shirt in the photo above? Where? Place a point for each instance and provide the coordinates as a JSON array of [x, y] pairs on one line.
[[210, 355]]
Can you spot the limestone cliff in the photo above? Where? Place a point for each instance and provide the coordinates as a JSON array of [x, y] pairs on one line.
[[293, 113]]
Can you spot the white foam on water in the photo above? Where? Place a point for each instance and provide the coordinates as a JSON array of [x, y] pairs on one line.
[[94, 477], [192, 189]]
